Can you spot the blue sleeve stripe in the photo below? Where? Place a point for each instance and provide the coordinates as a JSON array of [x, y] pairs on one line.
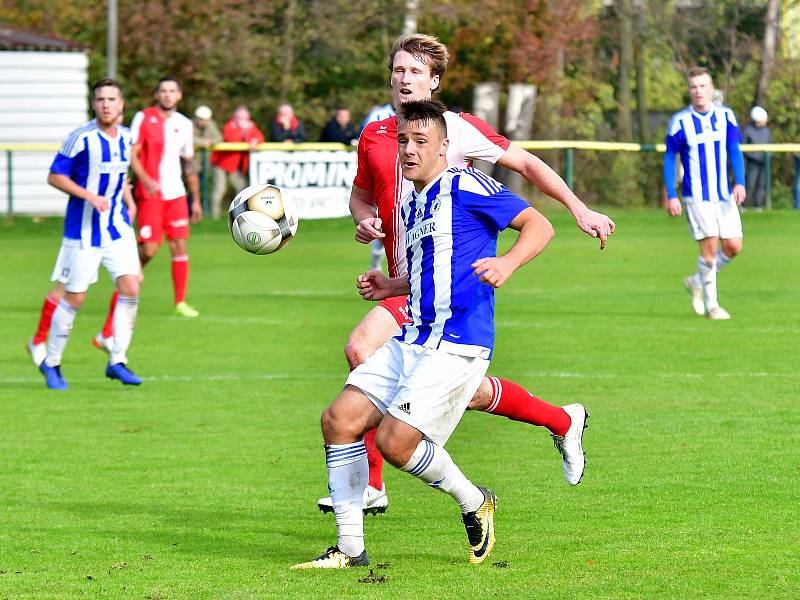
[[669, 174], [737, 163], [490, 184]]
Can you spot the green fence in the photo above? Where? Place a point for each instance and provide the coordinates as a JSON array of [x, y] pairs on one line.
[[568, 147]]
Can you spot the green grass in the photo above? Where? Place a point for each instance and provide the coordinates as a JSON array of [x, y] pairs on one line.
[[202, 482]]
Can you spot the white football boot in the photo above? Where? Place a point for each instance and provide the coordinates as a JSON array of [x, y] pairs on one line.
[[375, 501], [697, 295], [333, 558], [718, 314], [571, 445]]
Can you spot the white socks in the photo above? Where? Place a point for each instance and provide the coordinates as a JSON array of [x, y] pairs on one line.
[[60, 328], [348, 474], [722, 260], [708, 279], [124, 320], [433, 465]]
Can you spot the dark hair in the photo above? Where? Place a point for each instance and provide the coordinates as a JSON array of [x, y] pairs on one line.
[[167, 78], [106, 82], [425, 48], [426, 111]]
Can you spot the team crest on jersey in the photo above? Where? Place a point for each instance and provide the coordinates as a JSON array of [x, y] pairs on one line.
[[153, 120], [382, 129]]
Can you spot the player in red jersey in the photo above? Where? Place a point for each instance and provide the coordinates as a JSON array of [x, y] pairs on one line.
[[416, 64], [163, 147]]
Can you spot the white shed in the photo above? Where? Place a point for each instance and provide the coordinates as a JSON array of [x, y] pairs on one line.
[[43, 96]]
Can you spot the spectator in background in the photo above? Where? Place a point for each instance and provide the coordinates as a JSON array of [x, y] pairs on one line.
[[235, 164], [756, 132], [339, 128], [206, 134], [287, 127]]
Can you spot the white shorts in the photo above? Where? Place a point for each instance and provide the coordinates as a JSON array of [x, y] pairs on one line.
[[76, 267], [427, 388], [714, 219]]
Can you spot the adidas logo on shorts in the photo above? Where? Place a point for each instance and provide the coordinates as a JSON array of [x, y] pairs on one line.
[[406, 408]]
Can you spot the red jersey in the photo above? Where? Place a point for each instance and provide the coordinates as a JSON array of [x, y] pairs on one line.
[[379, 170], [162, 144]]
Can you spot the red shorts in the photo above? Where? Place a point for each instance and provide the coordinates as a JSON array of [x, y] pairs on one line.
[[398, 308], [157, 217]]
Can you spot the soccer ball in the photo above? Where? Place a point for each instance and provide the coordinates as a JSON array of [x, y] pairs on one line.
[[262, 219]]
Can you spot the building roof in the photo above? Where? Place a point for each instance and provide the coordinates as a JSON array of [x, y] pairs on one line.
[[12, 38]]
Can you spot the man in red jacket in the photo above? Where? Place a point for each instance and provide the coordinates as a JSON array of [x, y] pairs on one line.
[[239, 128]]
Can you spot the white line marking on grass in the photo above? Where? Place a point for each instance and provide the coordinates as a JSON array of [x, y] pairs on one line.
[[226, 377]]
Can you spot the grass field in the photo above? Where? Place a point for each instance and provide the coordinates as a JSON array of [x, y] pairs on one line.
[[202, 483]]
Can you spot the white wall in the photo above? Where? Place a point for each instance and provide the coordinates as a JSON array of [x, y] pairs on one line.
[[43, 96]]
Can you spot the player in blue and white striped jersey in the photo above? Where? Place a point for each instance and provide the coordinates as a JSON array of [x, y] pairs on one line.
[[706, 137], [92, 167], [416, 387]]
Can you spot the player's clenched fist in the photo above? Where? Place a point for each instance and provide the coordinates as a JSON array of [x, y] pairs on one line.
[[373, 285], [494, 271], [369, 229]]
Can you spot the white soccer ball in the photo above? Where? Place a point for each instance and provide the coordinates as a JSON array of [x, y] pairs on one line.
[[262, 219]]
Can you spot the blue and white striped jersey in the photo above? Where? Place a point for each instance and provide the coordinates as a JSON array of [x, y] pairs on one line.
[[98, 163], [704, 142], [450, 224]]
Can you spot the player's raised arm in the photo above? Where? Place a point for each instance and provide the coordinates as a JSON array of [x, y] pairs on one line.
[[535, 232], [595, 224]]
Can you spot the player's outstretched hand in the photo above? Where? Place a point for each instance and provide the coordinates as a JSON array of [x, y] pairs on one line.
[[99, 202], [596, 225], [493, 271], [373, 285], [739, 194], [197, 211], [369, 229], [674, 207]]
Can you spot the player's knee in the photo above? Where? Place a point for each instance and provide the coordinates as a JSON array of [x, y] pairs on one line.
[[147, 251], [354, 352], [128, 285], [732, 249], [482, 397], [75, 299], [339, 427]]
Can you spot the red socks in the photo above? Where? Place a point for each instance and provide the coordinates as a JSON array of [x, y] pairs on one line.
[[180, 276], [108, 327], [374, 459], [50, 303], [518, 404]]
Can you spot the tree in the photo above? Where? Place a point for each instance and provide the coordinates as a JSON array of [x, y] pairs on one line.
[[767, 52]]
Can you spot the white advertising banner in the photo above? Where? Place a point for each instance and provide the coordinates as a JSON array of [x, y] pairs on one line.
[[319, 181]]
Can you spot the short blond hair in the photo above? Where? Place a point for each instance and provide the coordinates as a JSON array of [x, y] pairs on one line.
[[425, 48], [697, 72]]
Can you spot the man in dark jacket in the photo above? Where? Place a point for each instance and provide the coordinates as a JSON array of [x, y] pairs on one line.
[[756, 132], [287, 127], [339, 128]]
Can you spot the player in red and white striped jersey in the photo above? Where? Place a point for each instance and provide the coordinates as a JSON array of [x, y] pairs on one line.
[[417, 64]]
